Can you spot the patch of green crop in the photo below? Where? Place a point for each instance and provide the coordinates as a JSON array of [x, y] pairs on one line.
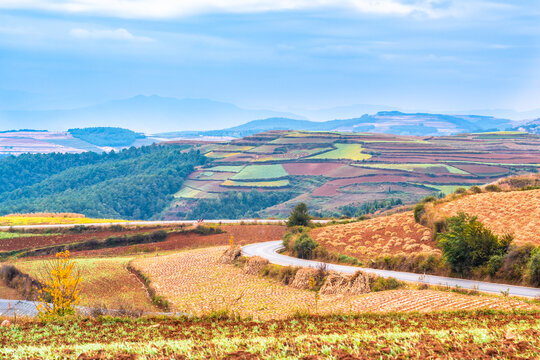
[[260, 172]]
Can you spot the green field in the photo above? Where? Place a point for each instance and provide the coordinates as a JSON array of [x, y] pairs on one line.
[[263, 184], [14, 235], [412, 167], [187, 193], [344, 151], [259, 172], [445, 189]]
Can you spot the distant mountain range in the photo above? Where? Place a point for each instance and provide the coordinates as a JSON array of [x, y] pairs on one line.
[[194, 118], [389, 122], [149, 114]]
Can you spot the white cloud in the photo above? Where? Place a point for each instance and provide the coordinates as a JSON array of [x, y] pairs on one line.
[[116, 34], [178, 8]]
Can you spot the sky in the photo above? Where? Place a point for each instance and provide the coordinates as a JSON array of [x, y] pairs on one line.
[[431, 55]]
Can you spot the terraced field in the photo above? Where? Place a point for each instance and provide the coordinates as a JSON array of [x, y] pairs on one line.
[[329, 170]]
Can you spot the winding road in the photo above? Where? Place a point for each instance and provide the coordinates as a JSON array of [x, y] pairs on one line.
[[269, 250]]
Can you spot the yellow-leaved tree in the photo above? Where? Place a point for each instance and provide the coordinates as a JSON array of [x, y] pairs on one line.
[[61, 287]]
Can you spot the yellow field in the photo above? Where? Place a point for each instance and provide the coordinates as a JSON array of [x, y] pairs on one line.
[[515, 212], [105, 281], [195, 282], [344, 151], [50, 220]]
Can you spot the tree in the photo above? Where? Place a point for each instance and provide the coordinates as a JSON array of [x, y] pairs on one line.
[[61, 286], [299, 216], [468, 243]]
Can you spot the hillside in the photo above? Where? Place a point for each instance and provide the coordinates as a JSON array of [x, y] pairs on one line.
[[515, 212], [135, 183], [398, 242], [330, 170]]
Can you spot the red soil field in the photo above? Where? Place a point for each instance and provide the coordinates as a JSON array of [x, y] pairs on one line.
[[43, 241], [482, 169], [347, 171], [243, 234], [312, 169]]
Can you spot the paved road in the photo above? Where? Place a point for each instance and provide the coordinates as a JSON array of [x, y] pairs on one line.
[[17, 307], [268, 250], [153, 223]]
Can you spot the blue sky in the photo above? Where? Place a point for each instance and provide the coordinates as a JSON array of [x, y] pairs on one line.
[[432, 55]]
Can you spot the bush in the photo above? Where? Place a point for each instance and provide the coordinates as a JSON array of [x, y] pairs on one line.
[[419, 211], [533, 268], [468, 243], [493, 188], [381, 284], [475, 189], [494, 264], [514, 266], [299, 216], [460, 190], [303, 246]]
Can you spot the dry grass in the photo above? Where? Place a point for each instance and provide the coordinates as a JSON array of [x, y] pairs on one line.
[[365, 240], [516, 212], [194, 281]]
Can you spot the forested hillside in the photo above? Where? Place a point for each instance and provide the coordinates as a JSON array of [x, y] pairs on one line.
[[136, 183]]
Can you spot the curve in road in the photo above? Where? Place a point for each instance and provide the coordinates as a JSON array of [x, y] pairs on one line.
[[269, 250]]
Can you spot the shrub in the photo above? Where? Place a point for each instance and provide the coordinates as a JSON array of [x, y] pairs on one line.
[[475, 189], [460, 190], [514, 265], [303, 246], [468, 243], [494, 264], [381, 284], [299, 216], [533, 268], [419, 211], [493, 188]]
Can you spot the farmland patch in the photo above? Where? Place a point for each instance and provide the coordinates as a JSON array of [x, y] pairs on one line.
[[261, 184], [344, 151], [258, 172]]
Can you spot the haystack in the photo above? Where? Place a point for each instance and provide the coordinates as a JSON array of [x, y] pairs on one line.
[[231, 254], [254, 265], [341, 284], [303, 276]]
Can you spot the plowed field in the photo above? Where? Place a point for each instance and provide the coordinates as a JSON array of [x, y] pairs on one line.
[[195, 282]]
